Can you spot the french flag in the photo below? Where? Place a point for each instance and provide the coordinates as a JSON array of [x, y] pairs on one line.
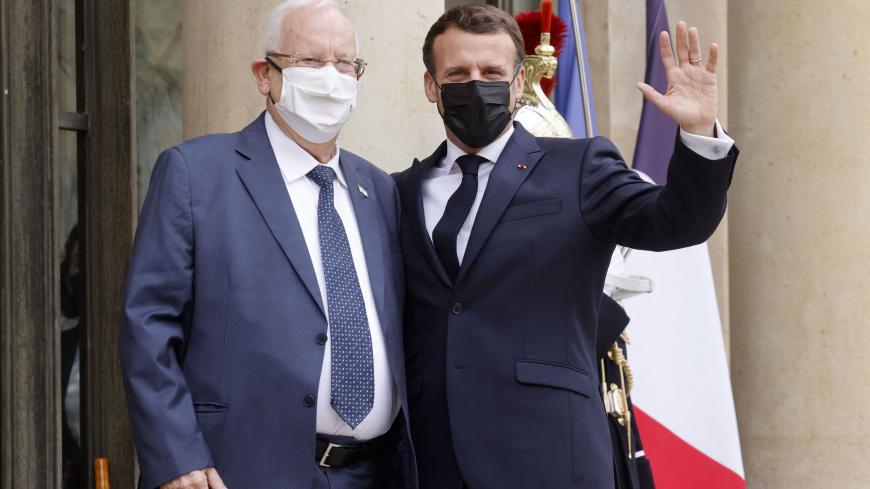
[[682, 396], [568, 98], [683, 399]]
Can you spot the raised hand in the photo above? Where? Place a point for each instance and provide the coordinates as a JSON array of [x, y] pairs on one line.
[[692, 97]]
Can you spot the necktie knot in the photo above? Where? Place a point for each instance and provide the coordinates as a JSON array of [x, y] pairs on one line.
[[322, 175], [470, 164]]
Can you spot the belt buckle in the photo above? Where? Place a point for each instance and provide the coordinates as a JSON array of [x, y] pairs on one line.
[[326, 453]]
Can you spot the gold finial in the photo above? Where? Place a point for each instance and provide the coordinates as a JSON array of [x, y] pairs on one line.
[[545, 48], [534, 110]]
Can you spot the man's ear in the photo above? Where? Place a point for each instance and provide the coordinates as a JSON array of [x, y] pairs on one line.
[[260, 69], [520, 83], [430, 87]]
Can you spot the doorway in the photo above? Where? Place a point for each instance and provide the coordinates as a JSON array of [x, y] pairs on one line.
[[67, 207]]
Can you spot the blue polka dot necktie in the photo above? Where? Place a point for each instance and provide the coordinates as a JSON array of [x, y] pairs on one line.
[[455, 213], [353, 385]]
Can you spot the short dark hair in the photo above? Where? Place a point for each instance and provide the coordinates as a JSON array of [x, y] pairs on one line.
[[477, 19]]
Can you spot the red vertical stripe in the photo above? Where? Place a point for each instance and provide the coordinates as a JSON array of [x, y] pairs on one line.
[[678, 465]]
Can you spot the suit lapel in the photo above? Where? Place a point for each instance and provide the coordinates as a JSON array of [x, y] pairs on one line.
[[504, 181], [418, 217], [366, 207], [262, 177]]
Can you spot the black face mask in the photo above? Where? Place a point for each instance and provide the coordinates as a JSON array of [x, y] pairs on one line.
[[476, 111]]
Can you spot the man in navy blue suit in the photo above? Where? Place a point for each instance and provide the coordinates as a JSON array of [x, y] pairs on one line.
[[507, 239], [262, 337]]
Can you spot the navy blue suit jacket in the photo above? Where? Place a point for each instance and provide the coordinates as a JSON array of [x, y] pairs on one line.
[[501, 365], [219, 339]]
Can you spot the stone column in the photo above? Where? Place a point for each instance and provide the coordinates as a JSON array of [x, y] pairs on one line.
[[616, 38], [393, 122], [800, 88]]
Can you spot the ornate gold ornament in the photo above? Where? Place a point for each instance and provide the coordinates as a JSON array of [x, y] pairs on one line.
[[534, 110]]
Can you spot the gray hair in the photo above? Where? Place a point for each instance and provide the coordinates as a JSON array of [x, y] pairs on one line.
[[272, 39]]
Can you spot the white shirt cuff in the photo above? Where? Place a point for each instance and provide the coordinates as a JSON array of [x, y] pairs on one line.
[[710, 148]]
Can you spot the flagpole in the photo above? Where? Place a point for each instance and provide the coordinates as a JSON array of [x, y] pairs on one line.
[[581, 68]]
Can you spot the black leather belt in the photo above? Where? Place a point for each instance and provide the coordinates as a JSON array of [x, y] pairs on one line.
[[336, 455]]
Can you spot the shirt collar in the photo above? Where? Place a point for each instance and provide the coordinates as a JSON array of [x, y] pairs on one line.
[[295, 162], [491, 151]]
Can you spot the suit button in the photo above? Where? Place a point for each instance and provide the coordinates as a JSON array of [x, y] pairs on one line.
[[457, 308], [321, 339], [308, 401]]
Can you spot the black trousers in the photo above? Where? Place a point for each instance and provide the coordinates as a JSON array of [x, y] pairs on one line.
[[367, 474], [378, 470]]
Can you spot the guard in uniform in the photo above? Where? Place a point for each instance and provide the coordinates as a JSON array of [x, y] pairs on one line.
[[631, 467]]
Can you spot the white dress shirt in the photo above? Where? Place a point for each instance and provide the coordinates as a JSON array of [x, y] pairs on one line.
[[444, 178], [295, 163]]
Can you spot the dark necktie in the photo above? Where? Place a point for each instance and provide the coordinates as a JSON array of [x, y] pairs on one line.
[[353, 387], [455, 214]]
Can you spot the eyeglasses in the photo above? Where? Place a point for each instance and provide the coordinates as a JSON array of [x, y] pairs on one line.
[[344, 65]]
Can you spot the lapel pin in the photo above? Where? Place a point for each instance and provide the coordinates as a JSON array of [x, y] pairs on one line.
[[363, 190], [522, 166]]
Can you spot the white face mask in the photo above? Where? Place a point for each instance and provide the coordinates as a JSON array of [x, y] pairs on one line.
[[316, 102]]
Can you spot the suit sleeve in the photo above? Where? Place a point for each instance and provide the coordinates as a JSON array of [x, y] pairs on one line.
[[621, 208], [157, 306]]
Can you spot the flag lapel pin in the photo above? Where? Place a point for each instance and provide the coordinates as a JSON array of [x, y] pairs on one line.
[[363, 190], [522, 166]]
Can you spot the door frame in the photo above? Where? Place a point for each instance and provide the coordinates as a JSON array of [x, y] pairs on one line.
[[30, 430]]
